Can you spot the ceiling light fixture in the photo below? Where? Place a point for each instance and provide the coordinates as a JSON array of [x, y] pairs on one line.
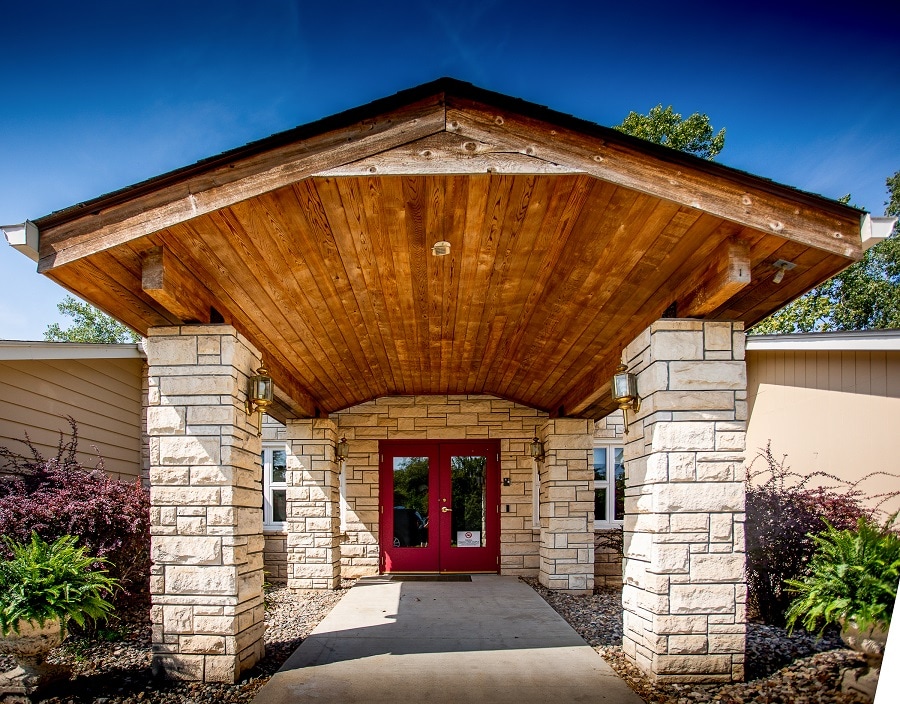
[[440, 249], [782, 265]]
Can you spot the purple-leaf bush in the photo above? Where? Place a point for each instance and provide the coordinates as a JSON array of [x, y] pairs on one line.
[[58, 496], [782, 515]]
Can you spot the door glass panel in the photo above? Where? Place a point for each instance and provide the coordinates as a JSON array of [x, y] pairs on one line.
[[619, 458], [279, 466], [600, 484], [411, 502], [468, 501]]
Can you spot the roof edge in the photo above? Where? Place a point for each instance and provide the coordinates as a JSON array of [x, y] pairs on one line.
[[846, 340], [20, 350], [445, 86]]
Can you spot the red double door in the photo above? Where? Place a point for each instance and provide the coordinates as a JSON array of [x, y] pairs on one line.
[[440, 506]]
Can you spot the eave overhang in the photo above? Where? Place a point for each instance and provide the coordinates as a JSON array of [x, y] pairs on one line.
[[568, 239]]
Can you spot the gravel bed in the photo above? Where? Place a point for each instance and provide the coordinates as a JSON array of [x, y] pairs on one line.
[[118, 672], [797, 668]]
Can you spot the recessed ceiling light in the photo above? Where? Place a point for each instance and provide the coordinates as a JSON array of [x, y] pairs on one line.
[[440, 249]]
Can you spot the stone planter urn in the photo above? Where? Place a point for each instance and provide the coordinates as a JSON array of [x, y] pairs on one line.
[[30, 647], [869, 643]]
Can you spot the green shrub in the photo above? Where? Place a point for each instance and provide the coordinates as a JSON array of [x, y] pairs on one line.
[[852, 577], [47, 581]]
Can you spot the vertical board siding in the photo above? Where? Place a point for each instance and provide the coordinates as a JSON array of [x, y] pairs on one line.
[[102, 395], [829, 411]]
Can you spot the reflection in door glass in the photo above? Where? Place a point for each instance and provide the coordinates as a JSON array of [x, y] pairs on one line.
[[468, 501], [410, 502]]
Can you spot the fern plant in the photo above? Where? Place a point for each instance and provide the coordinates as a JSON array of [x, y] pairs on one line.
[[852, 578], [48, 581]]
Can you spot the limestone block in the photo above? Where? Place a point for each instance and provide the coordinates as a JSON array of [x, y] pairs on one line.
[[682, 466], [177, 619], [702, 599], [717, 336], [184, 496], [676, 344], [735, 441], [222, 668], [666, 624], [189, 451], [726, 643], [205, 645], [669, 559], [215, 625], [201, 580], [165, 420], [179, 667], [692, 664], [171, 476], [694, 498], [707, 375], [717, 567], [167, 351], [688, 645], [208, 384], [181, 550], [680, 436]]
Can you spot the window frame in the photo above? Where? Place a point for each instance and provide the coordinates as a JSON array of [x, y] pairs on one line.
[[609, 483], [266, 456]]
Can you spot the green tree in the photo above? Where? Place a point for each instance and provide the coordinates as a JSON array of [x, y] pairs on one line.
[[88, 325], [693, 134], [865, 296]]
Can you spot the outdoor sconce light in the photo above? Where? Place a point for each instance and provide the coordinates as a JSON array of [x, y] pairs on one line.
[[624, 392], [537, 450], [342, 449], [260, 394], [782, 265]]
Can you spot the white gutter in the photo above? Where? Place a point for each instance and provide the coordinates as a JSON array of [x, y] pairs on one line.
[[862, 340], [24, 237], [874, 229], [13, 350]]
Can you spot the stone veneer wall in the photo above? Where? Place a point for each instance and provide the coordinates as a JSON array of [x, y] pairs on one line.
[[685, 593], [206, 504], [438, 417]]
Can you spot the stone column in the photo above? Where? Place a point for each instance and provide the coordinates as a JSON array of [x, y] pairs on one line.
[[206, 497], [313, 506], [684, 597], [567, 506]]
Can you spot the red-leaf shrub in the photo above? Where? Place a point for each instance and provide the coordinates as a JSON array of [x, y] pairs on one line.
[[58, 496], [781, 515]]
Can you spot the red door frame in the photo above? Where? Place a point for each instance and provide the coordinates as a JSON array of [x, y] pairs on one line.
[[439, 556]]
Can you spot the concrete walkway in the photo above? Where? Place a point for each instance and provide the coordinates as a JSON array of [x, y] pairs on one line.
[[489, 640]]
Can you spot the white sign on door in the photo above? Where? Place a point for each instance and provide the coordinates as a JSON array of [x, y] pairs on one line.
[[468, 539]]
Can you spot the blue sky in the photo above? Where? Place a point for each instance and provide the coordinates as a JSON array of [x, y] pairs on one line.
[[100, 95]]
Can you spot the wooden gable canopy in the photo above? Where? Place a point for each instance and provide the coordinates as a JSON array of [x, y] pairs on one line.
[[566, 240]]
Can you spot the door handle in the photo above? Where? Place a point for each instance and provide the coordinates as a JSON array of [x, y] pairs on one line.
[[444, 509]]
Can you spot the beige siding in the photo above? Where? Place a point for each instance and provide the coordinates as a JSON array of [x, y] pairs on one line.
[[102, 395], [831, 411]]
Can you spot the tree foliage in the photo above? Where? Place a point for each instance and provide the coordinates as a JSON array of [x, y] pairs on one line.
[[865, 296], [693, 134], [88, 325]]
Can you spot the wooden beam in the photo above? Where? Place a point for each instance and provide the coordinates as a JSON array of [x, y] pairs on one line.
[[739, 198], [448, 154], [726, 272], [290, 396], [168, 282], [227, 184]]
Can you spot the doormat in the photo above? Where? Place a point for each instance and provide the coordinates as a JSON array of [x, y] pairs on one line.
[[430, 578]]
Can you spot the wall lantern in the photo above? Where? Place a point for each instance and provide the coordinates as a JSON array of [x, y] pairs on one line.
[[342, 449], [536, 449], [260, 394], [624, 392]]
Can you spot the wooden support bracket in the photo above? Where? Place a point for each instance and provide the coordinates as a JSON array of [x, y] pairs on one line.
[[168, 282], [725, 273]]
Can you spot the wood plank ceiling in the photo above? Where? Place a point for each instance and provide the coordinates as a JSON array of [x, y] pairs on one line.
[[551, 271]]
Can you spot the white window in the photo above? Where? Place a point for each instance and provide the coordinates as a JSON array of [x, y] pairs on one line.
[[274, 463], [609, 485]]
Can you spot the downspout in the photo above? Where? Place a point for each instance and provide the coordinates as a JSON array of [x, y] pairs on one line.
[[874, 229], [24, 237]]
